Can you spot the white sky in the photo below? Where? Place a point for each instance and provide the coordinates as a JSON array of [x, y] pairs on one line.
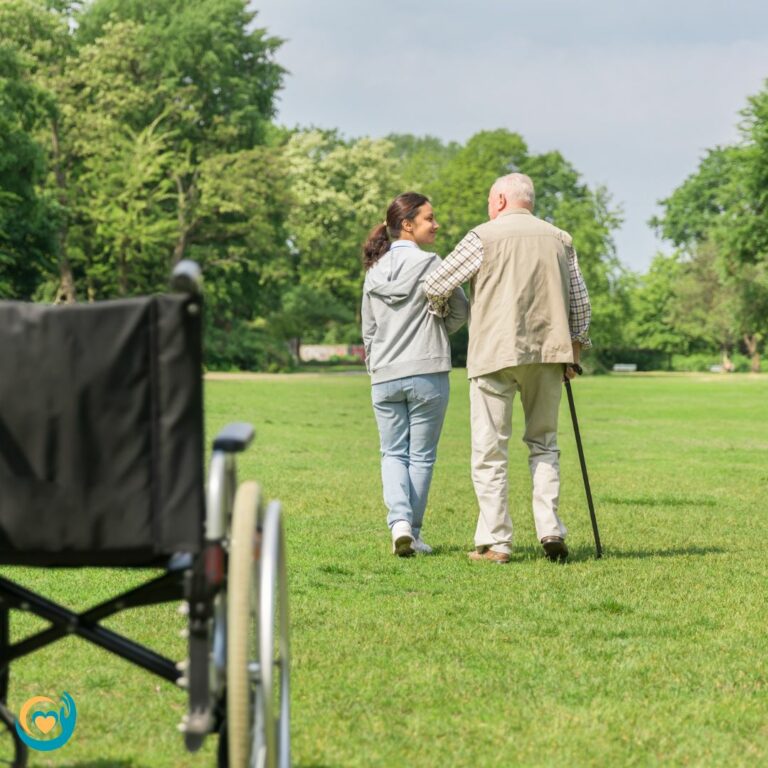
[[632, 95]]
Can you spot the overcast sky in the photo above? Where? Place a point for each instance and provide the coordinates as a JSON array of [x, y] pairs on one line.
[[631, 94]]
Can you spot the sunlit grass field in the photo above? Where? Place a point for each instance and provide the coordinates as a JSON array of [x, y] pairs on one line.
[[654, 655]]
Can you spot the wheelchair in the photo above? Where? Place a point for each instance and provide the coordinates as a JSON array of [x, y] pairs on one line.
[[101, 446]]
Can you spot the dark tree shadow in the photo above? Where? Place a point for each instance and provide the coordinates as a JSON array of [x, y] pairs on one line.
[[670, 552], [660, 501], [582, 553]]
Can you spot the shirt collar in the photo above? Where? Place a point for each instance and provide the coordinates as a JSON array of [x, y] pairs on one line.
[[515, 210], [403, 244]]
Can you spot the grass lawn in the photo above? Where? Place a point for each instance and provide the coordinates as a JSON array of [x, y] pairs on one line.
[[654, 655]]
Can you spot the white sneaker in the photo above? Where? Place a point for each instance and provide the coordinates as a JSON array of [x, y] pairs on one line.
[[421, 547], [402, 539]]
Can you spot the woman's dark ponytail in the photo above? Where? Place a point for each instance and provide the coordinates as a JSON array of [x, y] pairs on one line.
[[404, 207], [375, 246]]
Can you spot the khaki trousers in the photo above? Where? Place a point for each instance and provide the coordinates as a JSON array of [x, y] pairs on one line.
[[540, 386]]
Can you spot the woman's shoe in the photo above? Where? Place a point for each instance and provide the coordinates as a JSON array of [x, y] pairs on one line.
[[402, 539], [421, 547]]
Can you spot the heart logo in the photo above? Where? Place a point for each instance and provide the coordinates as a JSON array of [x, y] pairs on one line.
[[45, 721]]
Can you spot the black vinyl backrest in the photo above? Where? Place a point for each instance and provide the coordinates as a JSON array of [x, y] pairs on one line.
[[101, 432]]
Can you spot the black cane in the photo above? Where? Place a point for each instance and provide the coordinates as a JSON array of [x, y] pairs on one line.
[[576, 367]]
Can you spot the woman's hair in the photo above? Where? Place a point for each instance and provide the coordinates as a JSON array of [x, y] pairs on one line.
[[403, 208]]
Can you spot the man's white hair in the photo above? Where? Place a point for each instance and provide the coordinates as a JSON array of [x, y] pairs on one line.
[[515, 186]]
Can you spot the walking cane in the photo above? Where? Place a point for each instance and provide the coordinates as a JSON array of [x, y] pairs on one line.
[[576, 367]]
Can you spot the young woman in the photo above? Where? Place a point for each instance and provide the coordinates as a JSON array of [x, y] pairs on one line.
[[408, 357]]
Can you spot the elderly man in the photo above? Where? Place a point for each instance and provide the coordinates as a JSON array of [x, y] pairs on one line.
[[529, 317]]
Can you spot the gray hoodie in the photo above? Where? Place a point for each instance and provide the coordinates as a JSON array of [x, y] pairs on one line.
[[401, 337]]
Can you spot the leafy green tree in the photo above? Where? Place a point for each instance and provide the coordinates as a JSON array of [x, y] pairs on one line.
[[219, 66], [682, 305], [747, 235], [39, 33], [306, 307], [420, 160], [652, 306], [207, 72], [698, 206], [705, 306], [340, 190], [239, 234], [25, 215], [718, 216]]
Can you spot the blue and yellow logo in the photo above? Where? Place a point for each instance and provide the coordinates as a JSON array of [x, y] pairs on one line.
[[46, 725]]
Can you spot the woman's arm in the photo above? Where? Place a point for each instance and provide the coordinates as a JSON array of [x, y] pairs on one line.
[[369, 328]]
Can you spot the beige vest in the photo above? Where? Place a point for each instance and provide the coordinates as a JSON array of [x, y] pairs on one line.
[[520, 296]]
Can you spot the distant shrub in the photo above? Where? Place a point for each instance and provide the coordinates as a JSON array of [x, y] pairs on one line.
[[245, 348], [703, 361]]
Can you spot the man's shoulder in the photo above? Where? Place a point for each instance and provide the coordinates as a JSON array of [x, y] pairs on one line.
[[521, 225], [548, 228]]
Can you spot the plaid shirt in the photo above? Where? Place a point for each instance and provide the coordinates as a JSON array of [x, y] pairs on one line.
[[464, 262]]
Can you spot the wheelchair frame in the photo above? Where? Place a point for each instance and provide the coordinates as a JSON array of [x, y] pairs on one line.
[[237, 669]]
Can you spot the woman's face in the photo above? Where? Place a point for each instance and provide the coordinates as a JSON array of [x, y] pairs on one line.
[[422, 227]]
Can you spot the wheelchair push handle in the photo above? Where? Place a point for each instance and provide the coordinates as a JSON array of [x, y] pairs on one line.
[[187, 277]]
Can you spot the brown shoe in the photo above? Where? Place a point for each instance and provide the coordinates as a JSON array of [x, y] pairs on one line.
[[489, 555], [554, 548]]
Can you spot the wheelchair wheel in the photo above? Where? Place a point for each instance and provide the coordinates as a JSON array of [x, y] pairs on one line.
[[13, 751], [274, 648], [245, 735]]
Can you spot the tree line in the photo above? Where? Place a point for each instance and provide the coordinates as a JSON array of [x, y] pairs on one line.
[[135, 133]]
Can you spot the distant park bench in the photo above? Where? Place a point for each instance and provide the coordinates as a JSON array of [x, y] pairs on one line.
[[625, 367]]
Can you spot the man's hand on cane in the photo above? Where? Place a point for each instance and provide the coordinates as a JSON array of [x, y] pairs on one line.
[[573, 369]]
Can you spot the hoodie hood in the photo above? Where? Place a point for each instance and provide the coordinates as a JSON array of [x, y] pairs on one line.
[[394, 275]]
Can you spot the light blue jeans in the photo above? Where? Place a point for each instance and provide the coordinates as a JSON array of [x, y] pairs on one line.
[[410, 413]]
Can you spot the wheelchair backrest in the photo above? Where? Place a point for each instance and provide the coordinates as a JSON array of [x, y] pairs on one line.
[[101, 432]]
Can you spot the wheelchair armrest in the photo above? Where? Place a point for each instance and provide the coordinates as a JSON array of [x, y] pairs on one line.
[[234, 437]]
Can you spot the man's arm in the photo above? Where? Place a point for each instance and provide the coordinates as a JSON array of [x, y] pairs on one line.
[[458, 267], [580, 314], [458, 310]]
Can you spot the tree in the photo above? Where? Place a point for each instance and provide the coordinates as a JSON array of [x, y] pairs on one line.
[[219, 66], [39, 34], [683, 305], [420, 160], [304, 307], [719, 216], [652, 302], [239, 234], [119, 169], [26, 230], [340, 190]]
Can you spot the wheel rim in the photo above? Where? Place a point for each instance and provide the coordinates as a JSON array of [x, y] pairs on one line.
[[243, 674], [274, 648]]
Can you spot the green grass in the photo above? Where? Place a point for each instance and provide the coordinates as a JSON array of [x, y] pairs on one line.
[[654, 655]]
